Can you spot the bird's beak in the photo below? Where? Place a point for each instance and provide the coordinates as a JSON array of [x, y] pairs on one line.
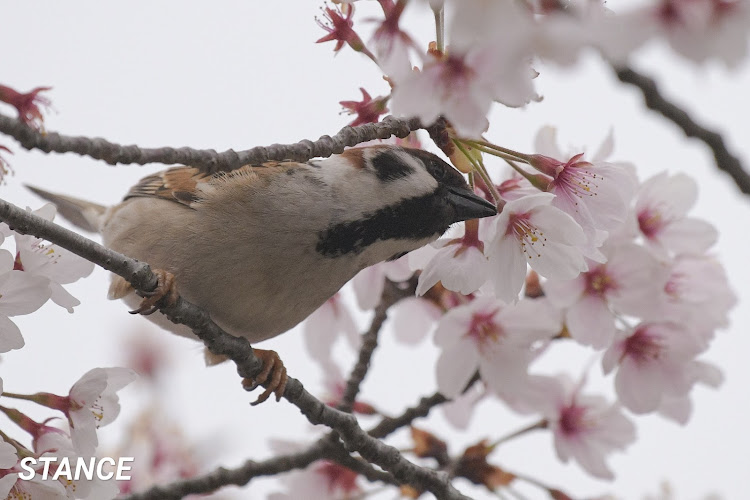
[[468, 205]]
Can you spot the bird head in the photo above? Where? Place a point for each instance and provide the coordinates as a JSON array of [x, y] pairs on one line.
[[392, 200]]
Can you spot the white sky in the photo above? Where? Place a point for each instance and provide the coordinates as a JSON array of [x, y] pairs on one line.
[[247, 74]]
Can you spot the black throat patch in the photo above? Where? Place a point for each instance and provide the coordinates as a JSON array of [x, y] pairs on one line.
[[412, 219]]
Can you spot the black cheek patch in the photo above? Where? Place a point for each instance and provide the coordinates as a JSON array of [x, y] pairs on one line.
[[412, 219], [389, 166]]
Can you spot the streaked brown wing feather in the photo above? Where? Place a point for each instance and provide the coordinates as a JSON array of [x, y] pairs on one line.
[[177, 184], [181, 184]]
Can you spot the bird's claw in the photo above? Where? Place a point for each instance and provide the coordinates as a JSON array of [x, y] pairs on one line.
[[273, 376], [165, 294]]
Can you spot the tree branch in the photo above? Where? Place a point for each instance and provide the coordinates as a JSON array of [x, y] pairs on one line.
[[237, 349], [207, 160], [725, 160]]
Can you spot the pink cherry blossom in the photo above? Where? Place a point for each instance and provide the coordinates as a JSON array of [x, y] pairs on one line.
[[369, 283], [458, 412], [652, 360], [390, 43], [323, 326], [679, 408], [630, 282], [697, 294], [530, 231], [321, 479], [12, 487], [20, 293], [485, 64], [661, 211], [459, 264], [584, 428], [595, 193], [495, 338], [413, 319], [700, 30], [53, 262], [91, 403]]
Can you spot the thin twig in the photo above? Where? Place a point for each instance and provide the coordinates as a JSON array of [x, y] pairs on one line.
[[207, 160], [392, 293], [391, 424], [221, 477], [725, 160], [237, 349]]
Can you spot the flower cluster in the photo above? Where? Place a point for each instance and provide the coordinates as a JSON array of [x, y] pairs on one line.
[[91, 403], [30, 275], [495, 47], [581, 251]]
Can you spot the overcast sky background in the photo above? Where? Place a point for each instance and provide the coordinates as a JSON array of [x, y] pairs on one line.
[[248, 73]]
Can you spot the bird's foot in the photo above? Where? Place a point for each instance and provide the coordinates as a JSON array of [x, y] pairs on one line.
[[165, 294], [272, 376]]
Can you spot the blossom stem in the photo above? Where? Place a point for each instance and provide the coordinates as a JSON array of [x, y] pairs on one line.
[[440, 27], [43, 398], [537, 180], [542, 424], [479, 168], [498, 150]]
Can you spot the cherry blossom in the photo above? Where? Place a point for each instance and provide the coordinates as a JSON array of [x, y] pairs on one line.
[[322, 327], [530, 231], [699, 30], [630, 282], [58, 265], [391, 44], [368, 110], [321, 479], [495, 338], [679, 408], [697, 294], [652, 360], [595, 193], [584, 428], [459, 410], [338, 23], [20, 293], [91, 403], [459, 264], [413, 319], [479, 69], [27, 104], [369, 283], [12, 487], [661, 211], [58, 445]]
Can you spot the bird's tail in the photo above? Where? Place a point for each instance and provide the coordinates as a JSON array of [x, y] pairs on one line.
[[81, 213]]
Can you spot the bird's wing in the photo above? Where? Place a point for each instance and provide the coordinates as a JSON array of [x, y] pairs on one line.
[[185, 185]]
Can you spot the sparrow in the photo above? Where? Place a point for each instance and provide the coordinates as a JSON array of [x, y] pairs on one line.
[[261, 247]]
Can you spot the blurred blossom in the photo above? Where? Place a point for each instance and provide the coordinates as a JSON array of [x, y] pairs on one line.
[[494, 338], [661, 209], [697, 294], [369, 283], [630, 282], [653, 360], [584, 428], [485, 63], [323, 326]]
